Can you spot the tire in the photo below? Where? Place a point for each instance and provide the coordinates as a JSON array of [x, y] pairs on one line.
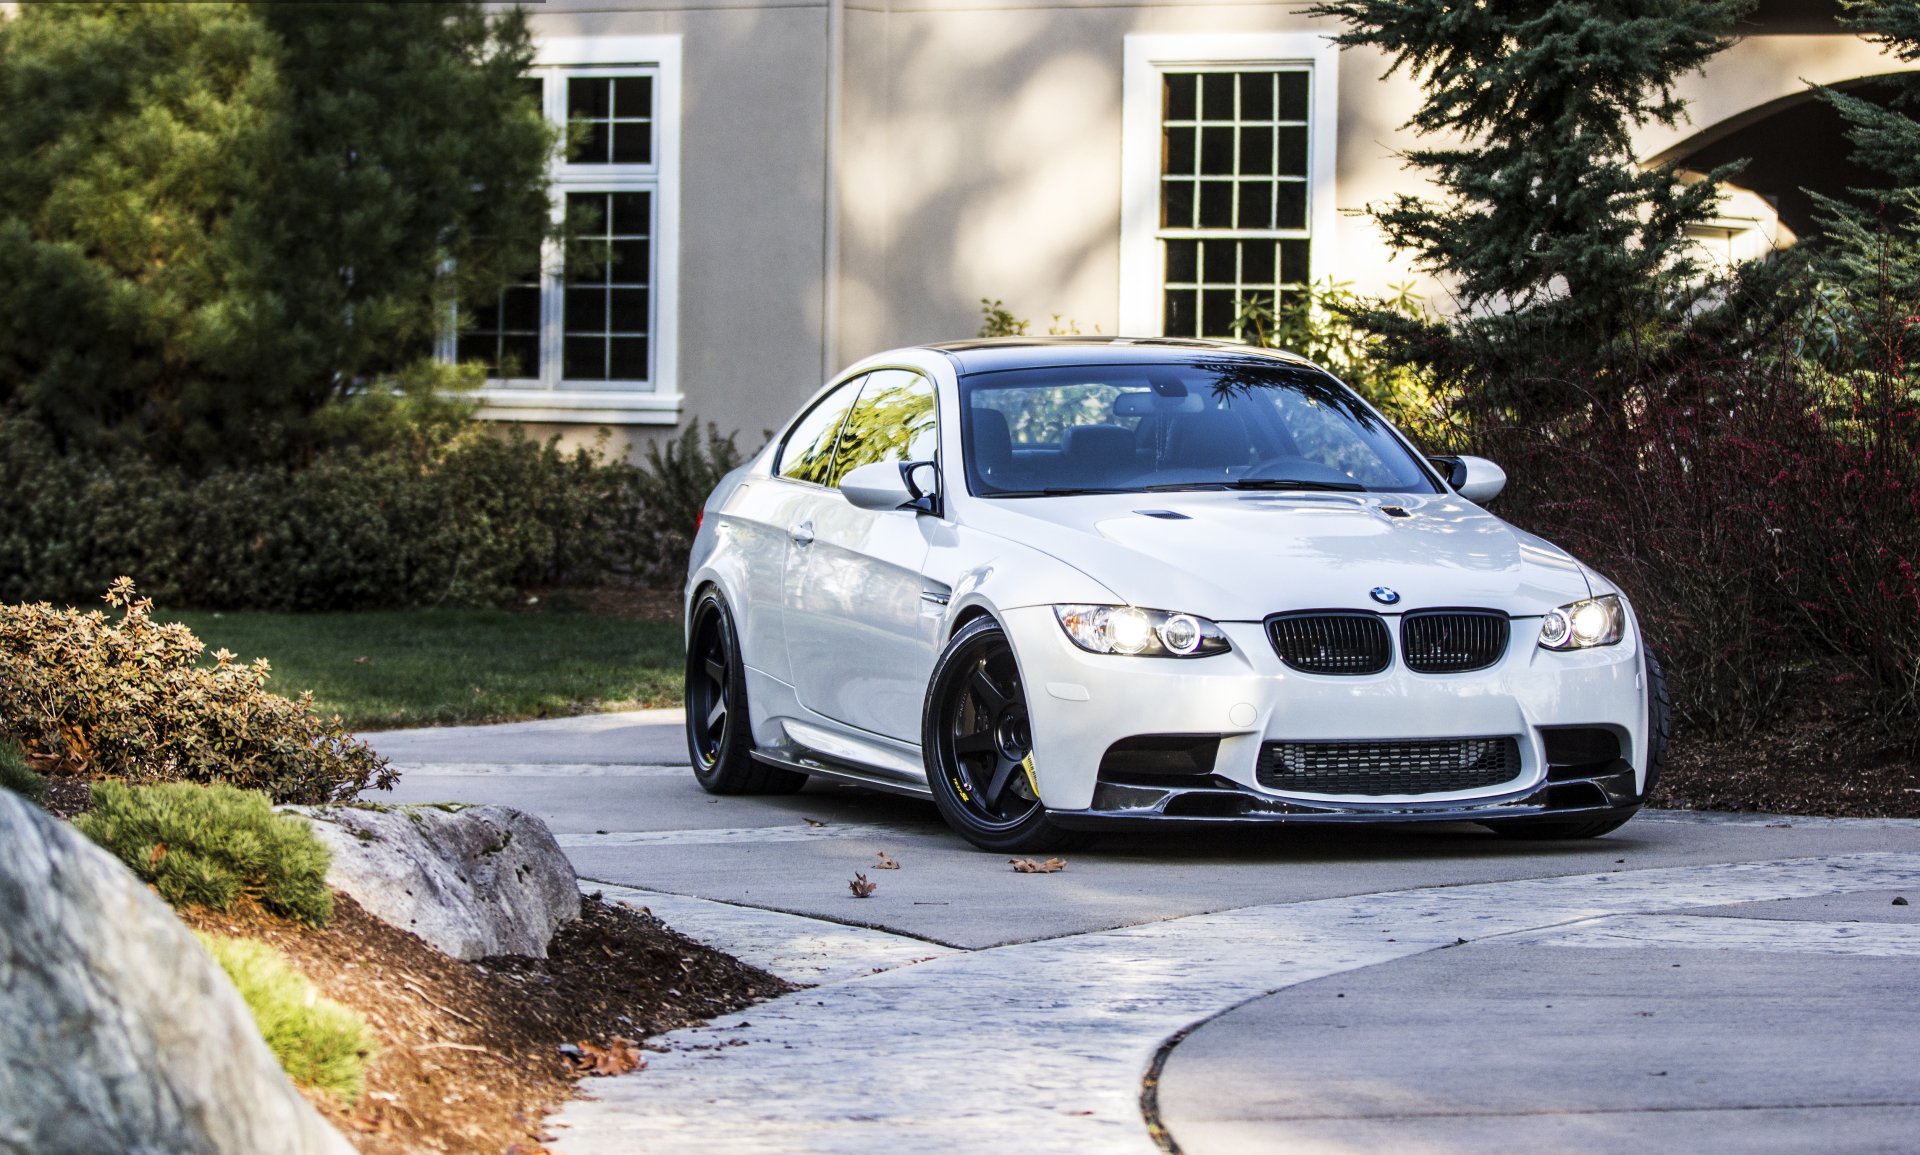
[[975, 735], [1659, 734], [719, 731]]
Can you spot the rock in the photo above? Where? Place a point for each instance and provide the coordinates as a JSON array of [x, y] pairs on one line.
[[117, 1031], [472, 881]]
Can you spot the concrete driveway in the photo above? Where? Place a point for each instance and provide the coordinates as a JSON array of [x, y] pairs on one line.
[[1691, 982]]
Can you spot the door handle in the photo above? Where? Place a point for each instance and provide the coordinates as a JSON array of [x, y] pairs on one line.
[[802, 534]]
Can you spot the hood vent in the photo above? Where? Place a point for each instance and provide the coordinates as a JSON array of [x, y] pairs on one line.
[[1163, 514]]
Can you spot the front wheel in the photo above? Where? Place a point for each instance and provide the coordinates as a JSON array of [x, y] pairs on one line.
[[719, 734], [978, 743]]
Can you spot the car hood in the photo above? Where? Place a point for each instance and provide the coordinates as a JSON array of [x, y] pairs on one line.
[[1235, 556]]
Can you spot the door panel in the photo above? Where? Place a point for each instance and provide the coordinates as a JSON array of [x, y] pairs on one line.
[[762, 512], [860, 640]]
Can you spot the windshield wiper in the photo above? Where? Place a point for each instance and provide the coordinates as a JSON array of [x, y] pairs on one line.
[[1294, 483], [1057, 491], [1257, 483]]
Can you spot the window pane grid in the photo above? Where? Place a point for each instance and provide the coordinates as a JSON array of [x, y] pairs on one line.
[[1233, 203], [611, 119], [605, 303], [504, 334]]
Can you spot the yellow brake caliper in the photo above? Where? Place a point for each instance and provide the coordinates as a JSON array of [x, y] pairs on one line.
[[1034, 783]]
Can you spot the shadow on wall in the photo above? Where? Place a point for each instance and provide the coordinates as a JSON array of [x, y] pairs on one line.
[[981, 157]]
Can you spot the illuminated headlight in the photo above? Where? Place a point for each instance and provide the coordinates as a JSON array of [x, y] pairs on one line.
[[1600, 621], [1148, 633]]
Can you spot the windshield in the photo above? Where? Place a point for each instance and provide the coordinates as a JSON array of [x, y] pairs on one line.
[[1205, 424]]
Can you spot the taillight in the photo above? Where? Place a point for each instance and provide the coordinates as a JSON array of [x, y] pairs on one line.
[[699, 519]]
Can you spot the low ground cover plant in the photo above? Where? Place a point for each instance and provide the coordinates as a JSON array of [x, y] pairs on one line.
[[321, 1045], [125, 697], [213, 846], [17, 776]]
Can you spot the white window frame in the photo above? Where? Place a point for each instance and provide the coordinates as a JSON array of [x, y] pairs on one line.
[[1147, 57], [657, 400]]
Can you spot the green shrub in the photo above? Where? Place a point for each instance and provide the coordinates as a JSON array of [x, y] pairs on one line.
[[320, 1044], [127, 698], [664, 498], [454, 516], [212, 846], [17, 776]]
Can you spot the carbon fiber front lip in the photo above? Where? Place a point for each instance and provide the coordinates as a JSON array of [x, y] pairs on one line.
[[1122, 806]]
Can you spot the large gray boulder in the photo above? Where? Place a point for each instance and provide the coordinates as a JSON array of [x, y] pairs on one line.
[[117, 1031], [471, 880]]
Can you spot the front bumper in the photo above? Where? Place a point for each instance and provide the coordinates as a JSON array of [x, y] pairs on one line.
[[1082, 704]]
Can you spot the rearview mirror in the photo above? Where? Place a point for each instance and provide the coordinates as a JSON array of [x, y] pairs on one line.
[[885, 485]]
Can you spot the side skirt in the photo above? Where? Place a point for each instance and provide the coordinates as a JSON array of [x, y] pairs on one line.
[[806, 762]]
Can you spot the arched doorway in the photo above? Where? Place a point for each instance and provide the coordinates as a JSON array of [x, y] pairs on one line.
[[1791, 145]]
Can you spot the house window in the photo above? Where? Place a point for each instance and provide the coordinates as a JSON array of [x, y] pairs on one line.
[[610, 119], [1233, 196], [609, 268], [591, 335], [1227, 194], [504, 334]]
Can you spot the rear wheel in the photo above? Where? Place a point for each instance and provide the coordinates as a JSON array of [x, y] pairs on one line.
[[978, 743], [1659, 732], [719, 733]]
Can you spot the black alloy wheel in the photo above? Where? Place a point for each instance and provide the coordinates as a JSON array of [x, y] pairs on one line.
[[719, 734], [978, 739]]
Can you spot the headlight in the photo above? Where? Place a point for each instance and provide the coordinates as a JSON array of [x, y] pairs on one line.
[[1583, 625], [1148, 633]]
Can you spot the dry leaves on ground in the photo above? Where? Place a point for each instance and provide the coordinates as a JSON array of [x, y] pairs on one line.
[[618, 1057], [1029, 866], [886, 862], [861, 887]]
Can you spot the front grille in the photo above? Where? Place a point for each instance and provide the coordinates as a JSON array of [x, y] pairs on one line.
[[1431, 766], [1333, 643], [1452, 641]]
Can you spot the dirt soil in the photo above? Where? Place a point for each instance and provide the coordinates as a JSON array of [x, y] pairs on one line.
[[1826, 754], [473, 1056]]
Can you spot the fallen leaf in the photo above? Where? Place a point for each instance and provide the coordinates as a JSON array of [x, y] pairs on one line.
[[811, 821], [1029, 866], [886, 862], [1898, 901], [361, 661], [860, 887], [618, 1057], [158, 852]]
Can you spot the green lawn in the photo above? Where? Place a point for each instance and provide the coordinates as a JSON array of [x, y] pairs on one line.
[[438, 667]]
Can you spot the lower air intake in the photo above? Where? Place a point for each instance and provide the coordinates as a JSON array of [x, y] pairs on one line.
[[1433, 766]]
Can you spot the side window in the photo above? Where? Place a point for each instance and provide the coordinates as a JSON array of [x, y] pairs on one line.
[[893, 421], [808, 452]]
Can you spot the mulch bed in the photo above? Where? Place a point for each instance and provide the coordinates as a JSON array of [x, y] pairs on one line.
[[473, 1056], [1822, 751], [1806, 765]]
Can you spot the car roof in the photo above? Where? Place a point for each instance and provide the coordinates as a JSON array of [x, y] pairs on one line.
[[987, 355]]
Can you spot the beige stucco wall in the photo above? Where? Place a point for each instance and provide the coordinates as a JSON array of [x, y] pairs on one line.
[[980, 154]]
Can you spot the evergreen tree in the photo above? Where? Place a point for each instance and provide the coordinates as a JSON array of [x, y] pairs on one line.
[[219, 219], [1568, 259], [1872, 246]]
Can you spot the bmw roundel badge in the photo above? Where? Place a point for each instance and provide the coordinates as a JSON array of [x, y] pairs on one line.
[[1383, 595]]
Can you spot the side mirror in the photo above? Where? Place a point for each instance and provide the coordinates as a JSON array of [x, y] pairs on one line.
[[885, 485], [1474, 478]]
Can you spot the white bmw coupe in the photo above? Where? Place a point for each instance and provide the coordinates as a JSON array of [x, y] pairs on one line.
[[1061, 586]]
